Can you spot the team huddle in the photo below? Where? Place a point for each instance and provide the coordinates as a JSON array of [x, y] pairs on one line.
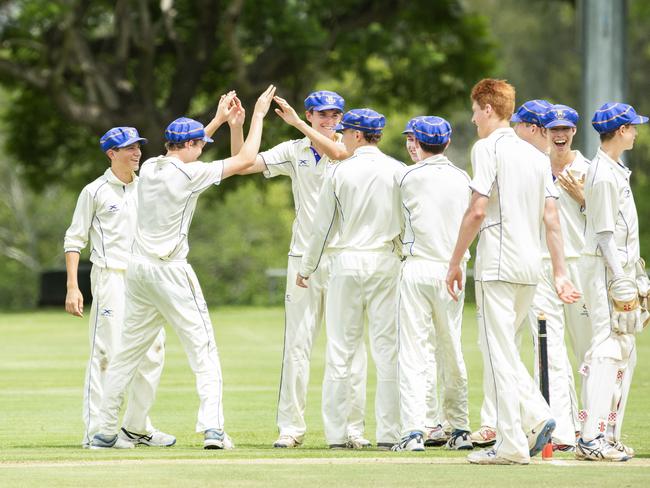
[[375, 241]]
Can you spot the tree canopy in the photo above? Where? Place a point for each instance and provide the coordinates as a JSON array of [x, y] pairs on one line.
[[75, 68]]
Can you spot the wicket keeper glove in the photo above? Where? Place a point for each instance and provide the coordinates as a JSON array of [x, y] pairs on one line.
[[643, 285], [626, 313]]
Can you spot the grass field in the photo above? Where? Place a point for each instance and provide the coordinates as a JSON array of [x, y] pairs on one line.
[[42, 360]]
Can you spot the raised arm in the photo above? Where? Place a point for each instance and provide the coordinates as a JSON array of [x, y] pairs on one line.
[[224, 111], [247, 156], [236, 123], [323, 144]]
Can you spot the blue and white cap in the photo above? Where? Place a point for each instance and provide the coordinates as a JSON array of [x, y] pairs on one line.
[[185, 129], [324, 100], [531, 112], [408, 129], [612, 115], [432, 130], [560, 116], [363, 119], [120, 137]]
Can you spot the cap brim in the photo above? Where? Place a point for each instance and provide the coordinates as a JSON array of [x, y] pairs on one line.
[[407, 131], [321, 108], [207, 139], [339, 127], [559, 123], [133, 140], [515, 118], [640, 119]]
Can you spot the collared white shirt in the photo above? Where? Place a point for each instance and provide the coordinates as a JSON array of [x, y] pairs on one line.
[[167, 193], [361, 199], [105, 214], [610, 207], [296, 159], [516, 178], [435, 196], [572, 219]]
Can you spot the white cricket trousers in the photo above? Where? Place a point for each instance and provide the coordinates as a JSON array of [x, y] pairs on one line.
[[560, 316], [424, 304], [609, 363], [363, 286], [106, 324], [159, 292], [519, 405], [304, 313]]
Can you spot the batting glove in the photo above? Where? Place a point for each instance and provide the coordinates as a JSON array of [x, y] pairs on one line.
[[643, 285]]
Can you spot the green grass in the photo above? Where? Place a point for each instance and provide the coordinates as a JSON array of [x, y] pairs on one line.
[[42, 360]]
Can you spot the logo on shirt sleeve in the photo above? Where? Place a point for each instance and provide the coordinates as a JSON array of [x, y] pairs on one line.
[[113, 207], [303, 163]]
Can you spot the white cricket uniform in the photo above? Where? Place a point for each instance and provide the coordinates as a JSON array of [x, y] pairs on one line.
[[609, 363], [106, 214], [516, 178], [562, 394], [161, 287], [435, 196], [362, 200], [305, 308]]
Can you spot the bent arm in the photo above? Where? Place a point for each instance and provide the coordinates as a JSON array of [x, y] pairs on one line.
[[324, 145]]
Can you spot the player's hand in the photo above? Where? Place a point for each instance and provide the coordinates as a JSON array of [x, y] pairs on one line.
[[264, 101], [626, 311], [573, 186], [565, 290], [237, 114], [74, 302], [301, 280], [454, 281], [286, 112], [226, 106]]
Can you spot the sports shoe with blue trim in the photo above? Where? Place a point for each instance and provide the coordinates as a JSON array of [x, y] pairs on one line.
[[155, 438], [217, 439], [104, 441], [540, 436], [412, 442]]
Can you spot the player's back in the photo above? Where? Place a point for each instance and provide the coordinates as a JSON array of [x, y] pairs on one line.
[[367, 200]]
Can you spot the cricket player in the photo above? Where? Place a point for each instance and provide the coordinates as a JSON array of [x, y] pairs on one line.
[[569, 168], [529, 127], [512, 196], [105, 214], [160, 285], [308, 162], [361, 200], [435, 195], [437, 429], [614, 280]]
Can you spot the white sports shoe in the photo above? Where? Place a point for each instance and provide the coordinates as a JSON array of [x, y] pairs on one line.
[[485, 436], [620, 447], [287, 441], [357, 441], [412, 442], [540, 436], [102, 441], [599, 450], [155, 438], [488, 456], [217, 439], [435, 436], [459, 441]]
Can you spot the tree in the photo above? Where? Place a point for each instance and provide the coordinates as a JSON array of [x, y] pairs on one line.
[[76, 68]]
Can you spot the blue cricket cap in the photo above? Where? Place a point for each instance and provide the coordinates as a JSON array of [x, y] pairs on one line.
[[432, 130], [531, 112], [363, 119], [120, 137], [611, 116], [324, 100], [185, 129], [560, 116], [408, 129]]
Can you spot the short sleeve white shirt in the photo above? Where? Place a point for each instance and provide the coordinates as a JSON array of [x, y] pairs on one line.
[[435, 195], [168, 191], [106, 215], [610, 207], [516, 178], [297, 160]]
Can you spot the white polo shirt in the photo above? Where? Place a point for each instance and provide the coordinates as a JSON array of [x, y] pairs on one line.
[[572, 219], [167, 193], [435, 196], [516, 178], [296, 159], [611, 208], [105, 213], [361, 199]]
